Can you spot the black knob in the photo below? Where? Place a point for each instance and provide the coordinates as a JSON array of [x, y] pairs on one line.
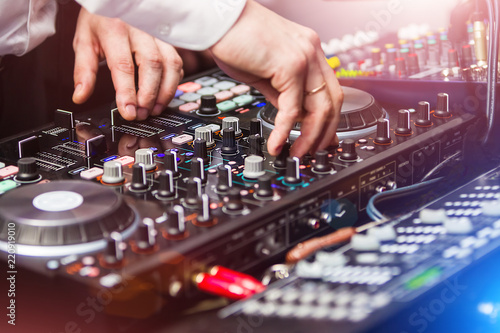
[[175, 225], [322, 164], [383, 136], [232, 201], [193, 193], [139, 182], [292, 173], [280, 161], [200, 150], [443, 107], [205, 218], [28, 170], [229, 142], [413, 66], [401, 67], [453, 58], [467, 58], [225, 178], [256, 126], [391, 57], [376, 56], [166, 189], [146, 235], [170, 161], [348, 151], [423, 114], [198, 170], [264, 189], [113, 253], [255, 143], [404, 127], [208, 106]]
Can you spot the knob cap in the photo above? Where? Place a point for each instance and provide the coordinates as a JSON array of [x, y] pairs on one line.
[[229, 146], [145, 156], [423, 114], [166, 189], [232, 202], [413, 66], [198, 170], [205, 218], [175, 225], [348, 151], [404, 127], [401, 67], [292, 174], [255, 143], [453, 58], [146, 235], [193, 193], [383, 136], [139, 182], [264, 189], [200, 150], [443, 107], [256, 127], [233, 122], [28, 170], [113, 254], [322, 164], [170, 162], [254, 167], [208, 106], [112, 173], [225, 178], [280, 161], [206, 134]]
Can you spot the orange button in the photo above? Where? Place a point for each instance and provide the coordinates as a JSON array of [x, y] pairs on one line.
[[10, 170], [189, 87]]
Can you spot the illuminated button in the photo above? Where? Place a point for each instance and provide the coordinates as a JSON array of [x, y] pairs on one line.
[[243, 100], [7, 185], [125, 160], [430, 216], [458, 226], [240, 89], [178, 93], [213, 127], [189, 87], [8, 171], [226, 106], [175, 103], [223, 96], [362, 141], [182, 139], [188, 107], [491, 208], [92, 173], [190, 97], [207, 91], [224, 85], [206, 81]]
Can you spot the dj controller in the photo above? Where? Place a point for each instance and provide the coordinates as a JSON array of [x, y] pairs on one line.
[[148, 205]]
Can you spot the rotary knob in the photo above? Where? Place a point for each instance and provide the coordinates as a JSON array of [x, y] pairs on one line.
[[146, 235], [280, 161], [27, 170], [225, 181], [229, 146], [139, 181], [198, 170], [232, 202], [175, 224], [443, 107], [233, 122], [200, 150], [166, 188], [348, 153], [193, 193], [255, 142], [292, 173], [170, 162], [205, 133], [113, 254], [383, 136], [256, 127], [423, 114], [322, 164], [403, 123], [208, 106], [264, 189], [145, 156], [205, 218], [112, 173], [254, 167]]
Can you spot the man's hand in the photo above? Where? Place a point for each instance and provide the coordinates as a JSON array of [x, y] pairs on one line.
[[286, 63], [159, 65]]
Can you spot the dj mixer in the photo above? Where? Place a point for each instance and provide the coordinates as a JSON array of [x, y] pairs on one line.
[[104, 202]]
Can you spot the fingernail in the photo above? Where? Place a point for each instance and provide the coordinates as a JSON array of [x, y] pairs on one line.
[[130, 111], [158, 109], [142, 113]]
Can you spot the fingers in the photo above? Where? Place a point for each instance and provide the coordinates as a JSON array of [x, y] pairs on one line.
[[86, 61]]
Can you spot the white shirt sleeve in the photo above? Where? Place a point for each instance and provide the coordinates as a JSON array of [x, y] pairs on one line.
[[25, 24], [190, 24]]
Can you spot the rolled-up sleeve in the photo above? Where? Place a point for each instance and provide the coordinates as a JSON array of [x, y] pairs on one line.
[[190, 24]]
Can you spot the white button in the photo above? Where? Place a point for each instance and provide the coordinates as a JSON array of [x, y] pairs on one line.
[[383, 233], [182, 139], [459, 226], [364, 243], [491, 208], [431, 216]]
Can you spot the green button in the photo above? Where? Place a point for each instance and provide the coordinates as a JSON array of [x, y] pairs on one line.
[[7, 185], [226, 106], [243, 100]]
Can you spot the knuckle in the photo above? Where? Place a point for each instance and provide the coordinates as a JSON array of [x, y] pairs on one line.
[[175, 63], [154, 61], [124, 65]]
